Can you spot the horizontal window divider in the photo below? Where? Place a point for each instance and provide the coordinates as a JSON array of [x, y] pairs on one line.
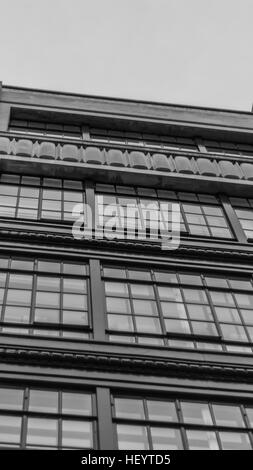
[[177, 424]]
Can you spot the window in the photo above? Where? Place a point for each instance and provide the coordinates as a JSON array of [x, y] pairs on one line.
[[51, 199], [244, 211], [46, 419], [177, 309], [229, 148], [138, 211], [157, 424], [50, 129], [143, 140], [45, 298]]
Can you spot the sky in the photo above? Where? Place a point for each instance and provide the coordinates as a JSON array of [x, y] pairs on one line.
[[193, 52]]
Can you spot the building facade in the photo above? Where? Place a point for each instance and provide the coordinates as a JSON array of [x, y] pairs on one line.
[[113, 342]]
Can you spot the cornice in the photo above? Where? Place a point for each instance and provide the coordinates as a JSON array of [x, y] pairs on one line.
[[152, 248], [128, 365]]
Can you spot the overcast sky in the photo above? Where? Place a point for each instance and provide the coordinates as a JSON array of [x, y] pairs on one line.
[[197, 52]]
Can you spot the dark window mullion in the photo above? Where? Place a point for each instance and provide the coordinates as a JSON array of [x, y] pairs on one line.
[[59, 420], [18, 199], [39, 210], [159, 307], [185, 303], [61, 300], [97, 301], [183, 214], [240, 315], [147, 425], [233, 220], [25, 418], [182, 424], [212, 307], [207, 225], [90, 200], [33, 299], [106, 434], [132, 308]]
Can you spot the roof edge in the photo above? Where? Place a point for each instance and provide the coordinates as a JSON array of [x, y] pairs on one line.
[[126, 100]]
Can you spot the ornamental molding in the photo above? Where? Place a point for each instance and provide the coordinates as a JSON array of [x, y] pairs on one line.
[[34, 236], [127, 365]]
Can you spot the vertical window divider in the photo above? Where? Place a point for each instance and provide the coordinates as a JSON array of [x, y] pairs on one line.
[[97, 301], [85, 133], [25, 418], [41, 188], [61, 294], [147, 425], [233, 219], [106, 436], [6, 288], [182, 425], [133, 316], [33, 299], [159, 308], [200, 145], [59, 420], [18, 198], [212, 307], [91, 202]]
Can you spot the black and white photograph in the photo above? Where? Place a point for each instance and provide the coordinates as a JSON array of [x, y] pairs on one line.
[[126, 232]]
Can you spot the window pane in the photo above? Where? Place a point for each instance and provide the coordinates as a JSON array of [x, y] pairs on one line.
[[48, 283], [75, 269], [169, 293], [18, 297], [20, 281], [74, 301], [76, 403], [222, 298], [116, 288], [43, 401], [250, 416], [77, 434], [235, 441], [173, 310], [166, 439], [46, 315], [204, 328], [73, 317], [42, 431], [10, 429], [120, 322], [129, 408], [148, 325], [47, 266], [226, 314], [75, 285], [142, 290], [202, 440], [177, 326], [194, 295], [132, 437], [196, 413], [244, 300], [161, 410], [228, 416], [233, 332], [47, 299], [11, 399], [17, 314], [145, 307], [118, 305], [199, 312]]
